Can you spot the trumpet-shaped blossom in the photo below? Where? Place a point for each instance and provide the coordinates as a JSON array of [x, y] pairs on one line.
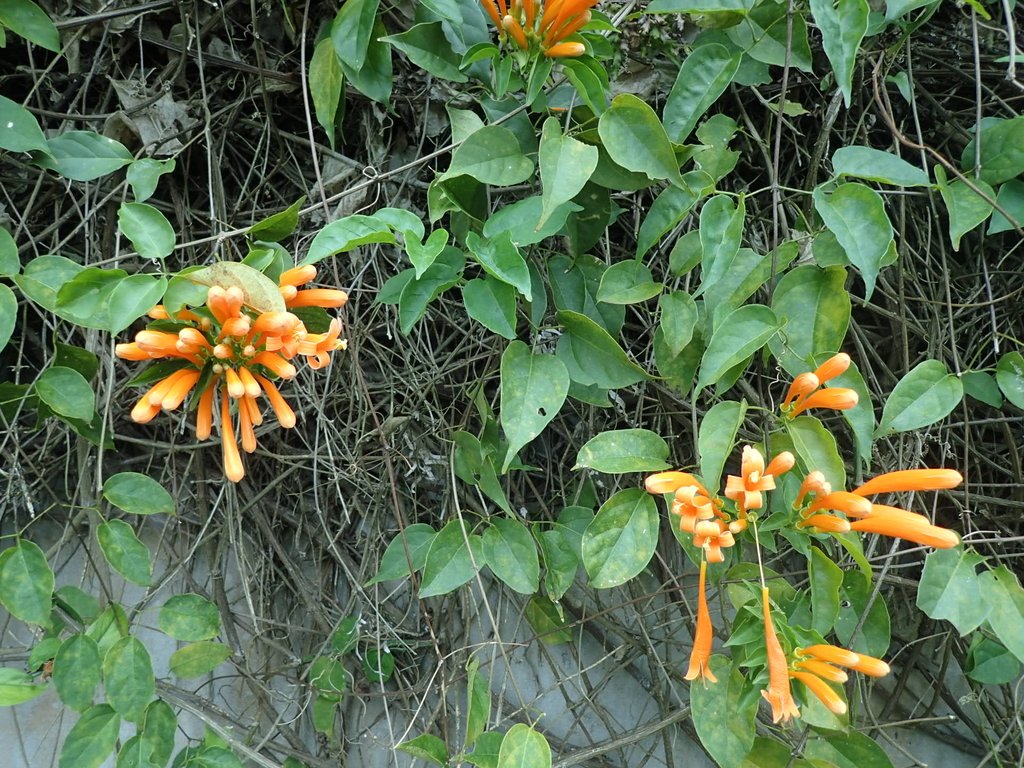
[[541, 27], [778, 693], [701, 652], [713, 536], [755, 478], [825, 692], [911, 480], [229, 349], [899, 523], [833, 654], [804, 392]]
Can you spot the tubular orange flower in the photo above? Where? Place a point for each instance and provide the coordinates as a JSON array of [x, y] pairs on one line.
[[778, 693], [515, 31], [285, 415], [492, 11], [670, 482], [801, 387], [252, 389], [275, 364], [814, 483], [530, 12], [179, 391], [302, 275], [823, 669], [235, 387], [162, 388], [713, 536], [204, 413], [822, 690], [144, 411], [692, 505], [131, 351], [233, 469], [834, 366], [911, 480], [701, 652], [838, 399], [245, 425], [328, 298], [565, 50], [867, 665], [746, 490], [826, 523], [841, 501], [899, 523]]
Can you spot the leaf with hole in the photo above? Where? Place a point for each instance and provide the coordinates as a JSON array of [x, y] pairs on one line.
[[621, 539], [533, 389]]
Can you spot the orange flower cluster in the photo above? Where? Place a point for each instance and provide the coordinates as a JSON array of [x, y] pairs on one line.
[[878, 518], [225, 347], [805, 390], [533, 26]]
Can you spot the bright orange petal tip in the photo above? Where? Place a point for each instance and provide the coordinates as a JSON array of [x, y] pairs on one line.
[[780, 464], [565, 50], [778, 694], [328, 298], [824, 670], [837, 398], [299, 275], [909, 526], [701, 653], [833, 654], [834, 366], [668, 482], [842, 501], [131, 351], [825, 692], [911, 480], [802, 386], [515, 31]]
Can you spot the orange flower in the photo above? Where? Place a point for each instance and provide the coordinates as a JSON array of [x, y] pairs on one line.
[[804, 392], [826, 523], [833, 654], [542, 32], [841, 501], [701, 652], [822, 690], [234, 354], [899, 523], [669, 482], [823, 670], [778, 693], [692, 505], [746, 490], [815, 483], [565, 50], [911, 480], [713, 536]]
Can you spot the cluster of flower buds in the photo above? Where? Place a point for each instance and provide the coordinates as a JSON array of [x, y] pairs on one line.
[[533, 26], [229, 355], [806, 392]]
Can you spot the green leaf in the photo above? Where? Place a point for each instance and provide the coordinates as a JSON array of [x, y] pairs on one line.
[[144, 174], [990, 663], [8, 314], [856, 216], [721, 228], [501, 259], [703, 77], [547, 621], [378, 665], [699, 6], [27, 19], [874, 637], [620, 451], [326, 84], [394, 564], [478, 704], [523, 747], [511, 552], [26, 583], [158, 730], [84, 155], [422, 255], [189, 617], [351, 31], [1002, 591], [816, 447], [982, 386], [949, 589], [492, 303], [427, 747], [565, 166], [92, 739], [10, 264], [678, 319], [520, 221], [926, 395], [628, 282], [428, 48], [345, 234], [128, 678], [125, 553], [147, 228], [667, 210], [129, 299], [1002, 151], [876, 165], [76, 671], [1010, 377], [591, 87], [967, 208], [740, 334], [67, 392], [278, 226], [597, 354], [826, 581], [635, 139], [560, 563], [716, 439], [765, 36], [491, 156], [197, 659], [375, 78], [533, 388], [817, 307], [724, 712], [621, 539], [1011, 200], [43, 277], [327, 675], [574, 287], [259, 292], [842, 28], [449, 564], [19, 130], [417, 294], [138, 494], [16, 687], [345, 638], [847, 750]]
